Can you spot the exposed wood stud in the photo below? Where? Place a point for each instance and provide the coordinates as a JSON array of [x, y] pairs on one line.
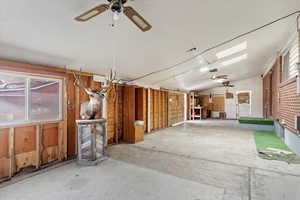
[[38, 146], [65, 124], [12, 163]]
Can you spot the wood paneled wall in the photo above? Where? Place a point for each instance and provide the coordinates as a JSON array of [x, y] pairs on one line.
[[158, 109], [31, 145], [217, 104], [37, 144], [129, 114], [76, 96], [115, 107], [175, 108]]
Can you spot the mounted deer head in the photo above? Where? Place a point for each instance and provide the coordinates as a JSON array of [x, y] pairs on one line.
[[89, 109]]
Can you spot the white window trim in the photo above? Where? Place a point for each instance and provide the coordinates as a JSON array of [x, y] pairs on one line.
[[283, 70], [27, 100]]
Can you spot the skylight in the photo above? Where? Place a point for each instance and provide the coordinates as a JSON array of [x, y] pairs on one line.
[[235, 60], [232, 50], [204, 69]]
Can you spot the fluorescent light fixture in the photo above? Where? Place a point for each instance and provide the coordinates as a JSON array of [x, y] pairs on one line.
[[220, 80], [232, 50], [201, 60], [235, 60], [179, 77], [204, 69]]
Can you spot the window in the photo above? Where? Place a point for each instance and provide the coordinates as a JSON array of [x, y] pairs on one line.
[[290, 60], [29, 99]]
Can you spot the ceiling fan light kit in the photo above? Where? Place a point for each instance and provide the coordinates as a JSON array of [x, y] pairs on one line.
[[117, 7]]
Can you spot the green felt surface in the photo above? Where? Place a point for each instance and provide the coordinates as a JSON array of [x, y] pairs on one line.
[[260, 121], [265, 139]]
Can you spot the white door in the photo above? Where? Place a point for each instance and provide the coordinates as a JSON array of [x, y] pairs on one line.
[[244, 104], [230, 108]]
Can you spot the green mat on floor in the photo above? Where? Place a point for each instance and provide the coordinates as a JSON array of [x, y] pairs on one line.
[[252, 120], [271, 147]]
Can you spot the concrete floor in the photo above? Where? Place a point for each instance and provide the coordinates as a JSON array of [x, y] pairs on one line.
[[205, 160]]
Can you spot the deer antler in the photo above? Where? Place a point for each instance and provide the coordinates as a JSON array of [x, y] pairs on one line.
[[77, 81], [110, 79]]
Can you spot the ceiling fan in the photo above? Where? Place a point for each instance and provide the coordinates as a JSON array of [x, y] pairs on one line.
[[117, 7], [227, 84], [219, 77]]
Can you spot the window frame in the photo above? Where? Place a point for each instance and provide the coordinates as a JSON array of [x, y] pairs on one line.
[[285, 69], [28, 119]]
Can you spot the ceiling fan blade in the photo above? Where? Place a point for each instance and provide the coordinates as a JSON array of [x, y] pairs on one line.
[[213, 70], [92, 13], [137, 19]]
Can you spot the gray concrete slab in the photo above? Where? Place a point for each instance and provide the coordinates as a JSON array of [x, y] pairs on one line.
[[112, 180], [216, 153], [198, 160]]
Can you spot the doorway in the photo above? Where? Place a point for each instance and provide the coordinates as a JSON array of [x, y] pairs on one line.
[[244, 104]]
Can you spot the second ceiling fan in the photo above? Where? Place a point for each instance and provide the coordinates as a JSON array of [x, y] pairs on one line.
[[117, 7]]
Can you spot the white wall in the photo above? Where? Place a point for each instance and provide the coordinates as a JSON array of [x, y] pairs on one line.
[[253, 84]]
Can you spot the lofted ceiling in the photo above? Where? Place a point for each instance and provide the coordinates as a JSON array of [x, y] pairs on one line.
[[44, 32]]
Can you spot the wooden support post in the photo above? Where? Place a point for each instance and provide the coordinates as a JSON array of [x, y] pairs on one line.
[[149, 111], [116, 115], [38, 146], [60, 141], [12, 161], [65, 124], [77, 111]]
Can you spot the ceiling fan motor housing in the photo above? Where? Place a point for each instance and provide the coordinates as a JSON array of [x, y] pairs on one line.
[[117, 5]]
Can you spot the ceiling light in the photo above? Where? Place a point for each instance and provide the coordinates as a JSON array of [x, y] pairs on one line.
[[235, 60], [220, 80], [204, 69], [201, 60], [232, 50], [116, 16]]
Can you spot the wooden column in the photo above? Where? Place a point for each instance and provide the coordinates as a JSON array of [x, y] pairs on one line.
[[129, 114], [38, 145], [149, 110], [12, 161]]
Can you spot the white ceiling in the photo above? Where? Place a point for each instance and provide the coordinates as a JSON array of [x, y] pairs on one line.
[[44, 32]]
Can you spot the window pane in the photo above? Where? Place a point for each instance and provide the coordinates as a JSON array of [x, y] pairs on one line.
[[44, 99], [12, 98]]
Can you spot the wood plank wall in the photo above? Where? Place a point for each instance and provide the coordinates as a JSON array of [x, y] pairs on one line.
[[37, 144], [129, 114], [115, 104], [175, 108], [158, 109], [76, 96], [31, 145]]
